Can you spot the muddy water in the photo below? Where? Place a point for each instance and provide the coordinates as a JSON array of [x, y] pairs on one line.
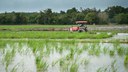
[[59, 57], [121, 36]]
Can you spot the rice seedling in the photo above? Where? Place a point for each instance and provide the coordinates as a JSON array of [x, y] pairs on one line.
[[52, 35], [94, 49], [111, 52], [126, 59], [74, 67], [60, 50], [2, 44], [14, 69], [8, 57], [71, 54], [105, 50], [84, 61], [79, 51], [110, 68], [120, 50], [102, 69], [41, 65]]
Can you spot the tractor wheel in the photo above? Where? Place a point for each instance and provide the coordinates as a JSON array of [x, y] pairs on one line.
[[81, 30], [86, 29]]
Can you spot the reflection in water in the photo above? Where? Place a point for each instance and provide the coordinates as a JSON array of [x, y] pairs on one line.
[[63, 57]]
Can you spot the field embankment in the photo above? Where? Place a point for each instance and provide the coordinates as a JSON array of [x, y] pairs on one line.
[[119, 28]]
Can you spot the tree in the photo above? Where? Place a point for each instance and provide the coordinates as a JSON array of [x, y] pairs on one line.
[[20, 18], [6, 18], [112, 11], [64, 19], [48, 16], [88, 10], [121, 18], [40, 19], [73, 10], [91, 17], [103, 17], [80, 16]]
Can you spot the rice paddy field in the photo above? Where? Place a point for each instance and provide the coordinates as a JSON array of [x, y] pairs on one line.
[[24, 49]]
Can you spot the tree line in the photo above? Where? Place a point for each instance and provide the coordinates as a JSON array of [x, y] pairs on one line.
[[113, 14]]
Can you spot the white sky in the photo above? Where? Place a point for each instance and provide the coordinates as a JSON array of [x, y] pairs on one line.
[[56, 5]]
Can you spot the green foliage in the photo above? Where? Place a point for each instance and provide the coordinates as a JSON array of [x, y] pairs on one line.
[[113, 10], [126, 60], [47, 16], [121, 18], [74, 68], [41, 65], [103, 17], [91, 17]]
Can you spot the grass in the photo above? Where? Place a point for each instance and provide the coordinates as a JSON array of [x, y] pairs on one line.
[[53, 35]]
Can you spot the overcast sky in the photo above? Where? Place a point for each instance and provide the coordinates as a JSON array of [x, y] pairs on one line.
[[56, 5]]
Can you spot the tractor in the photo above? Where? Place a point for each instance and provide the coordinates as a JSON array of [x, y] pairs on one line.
[[80, 28]]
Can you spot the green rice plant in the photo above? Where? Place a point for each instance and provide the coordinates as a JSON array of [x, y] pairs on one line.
[[79, 51], [94, 49], [64, 64], [126, 51], [116, 44], [61, 62], [120, 50], [51, 35], [102, 69], [74, 67], [85, 47], [71, 55], [113, 66], [92, 52], [8, 57], [41, 65], [14, 69], [126, 59], [105, 50], [111, 52], [84, 61], [2, 44], [60, 50], [109, 68]]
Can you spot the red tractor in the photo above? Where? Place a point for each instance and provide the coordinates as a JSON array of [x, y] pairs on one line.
[[80, 28]]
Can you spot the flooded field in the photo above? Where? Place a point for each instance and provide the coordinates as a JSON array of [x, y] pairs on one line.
[[46, 56]]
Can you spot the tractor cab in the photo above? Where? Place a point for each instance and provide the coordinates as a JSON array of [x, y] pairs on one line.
[[81, 23]]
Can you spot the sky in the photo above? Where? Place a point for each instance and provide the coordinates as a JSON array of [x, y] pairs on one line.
[[56, 5]]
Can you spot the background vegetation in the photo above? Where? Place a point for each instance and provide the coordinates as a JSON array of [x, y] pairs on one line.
[[113, 14]]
